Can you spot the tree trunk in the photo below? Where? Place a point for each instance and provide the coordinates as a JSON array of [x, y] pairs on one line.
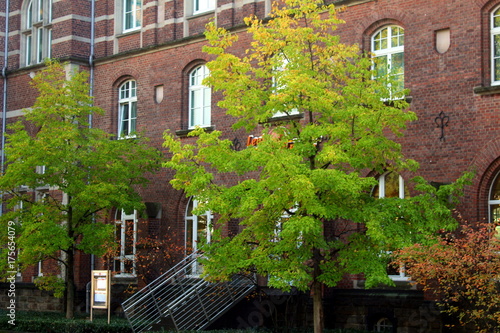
[[70, 285], [317, 296], [317, 293]]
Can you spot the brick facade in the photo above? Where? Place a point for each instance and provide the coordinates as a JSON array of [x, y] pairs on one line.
[[168, 45]]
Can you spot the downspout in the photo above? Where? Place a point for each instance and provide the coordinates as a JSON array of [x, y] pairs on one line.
[[91, 56], [4, 101], [91, 93], [91, 83]]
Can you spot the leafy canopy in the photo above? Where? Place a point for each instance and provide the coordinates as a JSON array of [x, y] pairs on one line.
[[323, 124], [63, 175], [462, 272]]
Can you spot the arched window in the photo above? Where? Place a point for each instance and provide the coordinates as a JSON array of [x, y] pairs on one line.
[[127, 114], [383, 325], [390, 185], [388, 56], [200, 98], [37, 31], [495, 46], [494, 200]]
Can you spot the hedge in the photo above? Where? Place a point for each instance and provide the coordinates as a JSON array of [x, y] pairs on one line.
[[50, 322]]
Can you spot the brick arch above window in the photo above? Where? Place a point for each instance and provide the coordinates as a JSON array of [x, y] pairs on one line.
[[486, 166], [377, 25]]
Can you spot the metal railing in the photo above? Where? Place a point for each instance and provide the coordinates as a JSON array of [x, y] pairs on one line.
[[179, 300]]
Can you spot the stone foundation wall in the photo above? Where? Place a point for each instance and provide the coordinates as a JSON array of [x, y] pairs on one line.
[[27, 297]]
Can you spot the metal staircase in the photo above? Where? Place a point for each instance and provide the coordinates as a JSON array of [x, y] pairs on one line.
[[179, 300]]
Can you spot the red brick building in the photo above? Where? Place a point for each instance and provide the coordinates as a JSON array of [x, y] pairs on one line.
[[146, 63]]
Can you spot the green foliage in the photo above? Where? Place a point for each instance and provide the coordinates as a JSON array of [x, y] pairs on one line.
[[301, 194], [85, 172], [56, 323], [51, 283]]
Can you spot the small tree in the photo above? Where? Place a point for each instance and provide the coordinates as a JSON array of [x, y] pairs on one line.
[[63, 177], [300, 194], [462, 272], [157, 254]]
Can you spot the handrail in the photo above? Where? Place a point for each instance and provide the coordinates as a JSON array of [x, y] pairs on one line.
[[184, 301]]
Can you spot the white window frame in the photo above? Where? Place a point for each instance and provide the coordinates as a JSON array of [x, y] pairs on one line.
[[389, 50], [401, 194], [131, 9], [37, 34], [200, 98], [495, 33], [191, 224], [202, 6], [192, 234], [127, 104], [278, 84], [121, 232], [382, 182], [494, 201]]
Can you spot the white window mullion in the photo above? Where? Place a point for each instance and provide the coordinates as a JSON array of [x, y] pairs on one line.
[[29, 50], [39, 11], [39, 45]]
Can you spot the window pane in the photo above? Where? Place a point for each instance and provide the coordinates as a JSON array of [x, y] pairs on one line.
[[496, 18], [124, 91], [129, 237], [49, 43], [40, 10], [398, 63], [125, 119], [29, 16], [39, 45], [397, 36], [495, 213], [137, 14], [495, 189], [497, 70], [496, 45], [28, 50], [133, 117], [380, 65], [133, 88], [392, 185]]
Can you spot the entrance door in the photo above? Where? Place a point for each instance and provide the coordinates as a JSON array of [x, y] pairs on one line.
[[198, 228]]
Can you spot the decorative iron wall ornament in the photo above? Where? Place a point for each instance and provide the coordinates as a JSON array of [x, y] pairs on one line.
[[236, 145], [442, 121]]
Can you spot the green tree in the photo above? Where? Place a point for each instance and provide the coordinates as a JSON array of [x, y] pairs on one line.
[[301, 194], [63, 177], [462, 272]]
